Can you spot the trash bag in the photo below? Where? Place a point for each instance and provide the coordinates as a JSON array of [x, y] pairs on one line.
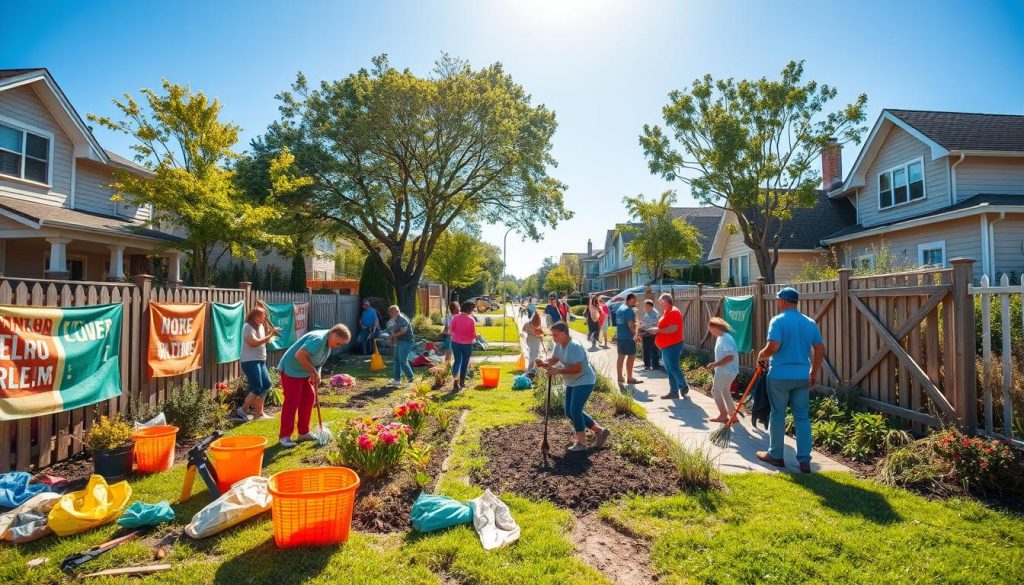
[[28, 521], [247, 498], [430, 513], [522, 382], [493, 521], [139, 514], [521, 362], [15, 489], [761, 408], [94, 506], [376, 360], [157, 421]]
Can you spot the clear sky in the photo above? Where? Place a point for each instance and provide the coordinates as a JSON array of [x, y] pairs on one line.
[[604, 67]]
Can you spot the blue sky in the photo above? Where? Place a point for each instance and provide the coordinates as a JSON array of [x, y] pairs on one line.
[[604, 67]]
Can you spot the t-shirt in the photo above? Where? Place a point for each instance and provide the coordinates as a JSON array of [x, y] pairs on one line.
[[726, 345], [369, 318], [570, 355], [671, 317], [796, 334], [530, 331], [250, 353], [552, 312], [315, 342], [623, 316], [650, 318], [462, 329], [402, 322], [604, 314]]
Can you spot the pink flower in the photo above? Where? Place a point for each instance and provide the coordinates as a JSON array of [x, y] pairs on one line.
[[387, 438], [365, 443], [402, 411]]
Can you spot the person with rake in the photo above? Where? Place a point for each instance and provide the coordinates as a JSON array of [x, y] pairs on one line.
[[579, 379], [726, 367], [300, 378]]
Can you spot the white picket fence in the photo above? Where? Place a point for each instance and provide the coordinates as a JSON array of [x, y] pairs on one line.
[[1002, 295]]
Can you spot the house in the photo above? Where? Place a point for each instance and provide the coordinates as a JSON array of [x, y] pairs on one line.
[[590, 266], [57, 219], [319, 262], [931, 186]]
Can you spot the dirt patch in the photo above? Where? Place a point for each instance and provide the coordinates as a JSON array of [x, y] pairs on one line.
[[362, 398], [580, 481], [623, 559]]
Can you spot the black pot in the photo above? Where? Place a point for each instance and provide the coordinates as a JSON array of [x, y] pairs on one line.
[[113, 464]]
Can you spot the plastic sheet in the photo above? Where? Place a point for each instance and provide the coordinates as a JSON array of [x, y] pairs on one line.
[[493, 521], [431, 512], [94, 506], [140, 514], [15, 489], [28, 521]]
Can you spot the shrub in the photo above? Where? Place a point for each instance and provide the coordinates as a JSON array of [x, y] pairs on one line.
[[977, 463], [579, 310], [437, 319], [829, 408], [624, 405], [694, 467], [372, 448], [374, 283], [916, 465], [109, 433], [192, 409], [540, 392], [421, 323], [701, 378], [488, 322], [869, 434], [411, 414], [641, 446], [604, 384], [995, 385], [692, 360], [139, 411], [829, 434]]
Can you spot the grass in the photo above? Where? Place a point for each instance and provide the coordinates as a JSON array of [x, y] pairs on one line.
[[494, 332], [581, 325]]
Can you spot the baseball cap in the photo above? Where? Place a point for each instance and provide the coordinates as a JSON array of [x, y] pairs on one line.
[[789, 294]]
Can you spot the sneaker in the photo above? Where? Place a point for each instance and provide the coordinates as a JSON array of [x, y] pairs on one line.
[[286, 442], [240, 414], [671, 396], [395, 383], [576, 447], [764, 456], [305, 438], [805, 467], [601, 438], [264, 416]]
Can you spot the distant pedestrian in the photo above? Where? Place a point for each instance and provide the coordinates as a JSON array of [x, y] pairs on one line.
[[593, 322], [551, 310], [300, 378], [669, 339], [534, 337], [625, 340], [796, 351], [726, 367], [579, 383], [369, 327], [402, 338], [649, 321], [531, 308], [463, 330], [563, 309], [446, 334], [606, 318], [257, 332]]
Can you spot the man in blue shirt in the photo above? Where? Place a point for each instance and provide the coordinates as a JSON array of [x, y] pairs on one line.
[[369, 325], [796, 351], [625, 340], [552, 310]]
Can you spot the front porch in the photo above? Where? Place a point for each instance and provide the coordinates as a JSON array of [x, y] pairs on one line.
[[66, 258]]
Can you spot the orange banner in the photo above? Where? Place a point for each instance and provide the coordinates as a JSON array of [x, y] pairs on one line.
[[175, 338]]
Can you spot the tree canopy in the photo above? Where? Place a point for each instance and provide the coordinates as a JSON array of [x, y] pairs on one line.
[[456, 261], [657, 237], [749, 147], [395, 159], [558, 280]]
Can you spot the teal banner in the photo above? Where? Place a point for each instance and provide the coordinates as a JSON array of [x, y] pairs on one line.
[[738, 312], [227, 330], [282, 317]]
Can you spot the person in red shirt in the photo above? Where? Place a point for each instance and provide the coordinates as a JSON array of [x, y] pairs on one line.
[[669, 339]]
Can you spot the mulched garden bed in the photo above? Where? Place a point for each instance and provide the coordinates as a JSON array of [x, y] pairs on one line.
[[579, 481]]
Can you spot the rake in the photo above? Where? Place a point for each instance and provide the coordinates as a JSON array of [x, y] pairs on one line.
[[723, 435], [323, 436]]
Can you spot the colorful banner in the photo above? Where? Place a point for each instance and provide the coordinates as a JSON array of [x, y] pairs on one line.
[[738, 312], [301, 319], [175, 338], [282, 316], [55, 359], [227, 330]]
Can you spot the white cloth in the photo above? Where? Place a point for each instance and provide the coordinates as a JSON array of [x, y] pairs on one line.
[[27, 522], [157, 421], [726, 345], [247, 498], [250, 353], [493, 521]]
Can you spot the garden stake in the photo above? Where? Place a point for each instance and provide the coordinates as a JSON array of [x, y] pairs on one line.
[[547, 406], [723, 435], [323, 436]]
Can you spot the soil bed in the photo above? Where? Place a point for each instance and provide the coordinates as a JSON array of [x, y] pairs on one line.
[[579, 481]]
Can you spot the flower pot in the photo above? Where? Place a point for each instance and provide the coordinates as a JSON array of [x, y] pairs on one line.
[[113, 464]]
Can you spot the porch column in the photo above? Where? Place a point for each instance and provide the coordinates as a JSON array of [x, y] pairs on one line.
[[116, 272], [174, 268], [58, 267]]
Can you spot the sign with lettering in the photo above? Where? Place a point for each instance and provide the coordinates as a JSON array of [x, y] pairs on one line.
[[175, 338], [301, 319], [738, 312], [54, 359]]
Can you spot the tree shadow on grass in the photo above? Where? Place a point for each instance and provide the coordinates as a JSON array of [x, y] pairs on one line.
[[266, 563], [848, 499]]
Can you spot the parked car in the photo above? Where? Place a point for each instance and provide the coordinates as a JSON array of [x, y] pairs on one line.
[[485, 303], [616, 301]]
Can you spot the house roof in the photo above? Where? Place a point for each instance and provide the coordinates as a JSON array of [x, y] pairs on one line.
[[980, 201], [40, 215], [968, 131], [706, 220]]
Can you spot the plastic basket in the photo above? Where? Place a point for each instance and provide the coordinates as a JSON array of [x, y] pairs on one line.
[[312, 507], [489, 376], [154, 448], [236, 458]]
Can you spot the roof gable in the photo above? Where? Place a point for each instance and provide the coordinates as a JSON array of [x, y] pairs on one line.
[[960, 131]]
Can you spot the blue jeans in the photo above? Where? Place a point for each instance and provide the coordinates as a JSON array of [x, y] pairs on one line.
[[670, 357], [796, 395], [460, 360], [402, 365], [257, 376], [575, 398], [366, 338]]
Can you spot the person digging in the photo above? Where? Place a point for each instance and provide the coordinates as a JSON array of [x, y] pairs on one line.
[[300, 378], [579, 380]]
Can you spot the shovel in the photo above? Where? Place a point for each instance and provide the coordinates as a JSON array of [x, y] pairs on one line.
[[544, 448]]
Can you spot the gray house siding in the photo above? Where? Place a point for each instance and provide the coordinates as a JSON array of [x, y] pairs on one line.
[[962, 238], [92, 192], [898, 148], [1008, 238], [21, 104], [996, 175]]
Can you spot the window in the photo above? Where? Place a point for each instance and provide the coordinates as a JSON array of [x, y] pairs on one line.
[[901, 185], [24, 155], [739, 270], [932, 254], [863, 261]]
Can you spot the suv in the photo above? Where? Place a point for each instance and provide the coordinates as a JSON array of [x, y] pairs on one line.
[[615, 302], [484, 303]]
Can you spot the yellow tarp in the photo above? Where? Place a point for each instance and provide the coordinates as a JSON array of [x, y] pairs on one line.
[[94, 506]]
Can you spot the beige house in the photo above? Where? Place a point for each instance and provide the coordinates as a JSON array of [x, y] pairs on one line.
[[931, 186]]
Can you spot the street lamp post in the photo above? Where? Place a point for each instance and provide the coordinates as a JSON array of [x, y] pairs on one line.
[[504, 272]]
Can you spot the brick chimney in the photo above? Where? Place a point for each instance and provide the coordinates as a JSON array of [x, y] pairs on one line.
[[831, 165], [590, 247]]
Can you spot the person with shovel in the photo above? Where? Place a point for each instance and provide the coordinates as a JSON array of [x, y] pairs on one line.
[[579, 380], [300, 378]]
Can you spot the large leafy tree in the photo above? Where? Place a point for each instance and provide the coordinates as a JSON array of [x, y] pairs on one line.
[[396, 159], [180, 137], [456, 261], [572, 266], [657, 236], [558, 280], [749, 147]]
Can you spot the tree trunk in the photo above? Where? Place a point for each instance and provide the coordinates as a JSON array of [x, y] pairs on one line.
[[764, 264], [406, 288]]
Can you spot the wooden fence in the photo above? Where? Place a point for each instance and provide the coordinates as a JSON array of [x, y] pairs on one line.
[[41, 441], [998, 371], [906, 341]]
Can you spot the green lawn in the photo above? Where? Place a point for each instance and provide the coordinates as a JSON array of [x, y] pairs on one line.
[[580, 324], [495, 331]]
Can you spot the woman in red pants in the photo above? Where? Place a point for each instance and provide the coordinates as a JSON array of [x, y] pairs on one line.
[[300, 378]]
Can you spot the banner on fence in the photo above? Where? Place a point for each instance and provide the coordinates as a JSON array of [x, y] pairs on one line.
[[282, 316], [227, 330], [738, 312], [56, 359], [175, 338], [301, 319]]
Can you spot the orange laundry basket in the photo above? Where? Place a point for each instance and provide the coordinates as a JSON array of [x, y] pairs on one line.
[[154, 448], [490, 375], [312, 507], [236, 458]]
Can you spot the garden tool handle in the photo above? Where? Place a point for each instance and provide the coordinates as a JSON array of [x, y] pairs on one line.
[[739, 404]]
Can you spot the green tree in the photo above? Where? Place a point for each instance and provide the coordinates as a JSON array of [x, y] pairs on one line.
[[546, 266], [572, 266], [180, 138], [749, 146], [558, 280], [456, 261], [492, 267], [348, 261], [657, 236], [297, 278], [531, 285], [373, 283], [396, 159]]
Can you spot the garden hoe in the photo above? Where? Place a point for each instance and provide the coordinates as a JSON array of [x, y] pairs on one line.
[[544, 448]]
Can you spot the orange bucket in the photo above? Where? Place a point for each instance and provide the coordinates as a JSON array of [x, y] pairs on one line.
[[154, 448], [312, 507], [236, 458], [490, 375]]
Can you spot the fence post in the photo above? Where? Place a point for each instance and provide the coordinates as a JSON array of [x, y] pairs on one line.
[[144, 282], [701, 319], [844, 361], [965, 383], [246, 287], [760, 326]]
